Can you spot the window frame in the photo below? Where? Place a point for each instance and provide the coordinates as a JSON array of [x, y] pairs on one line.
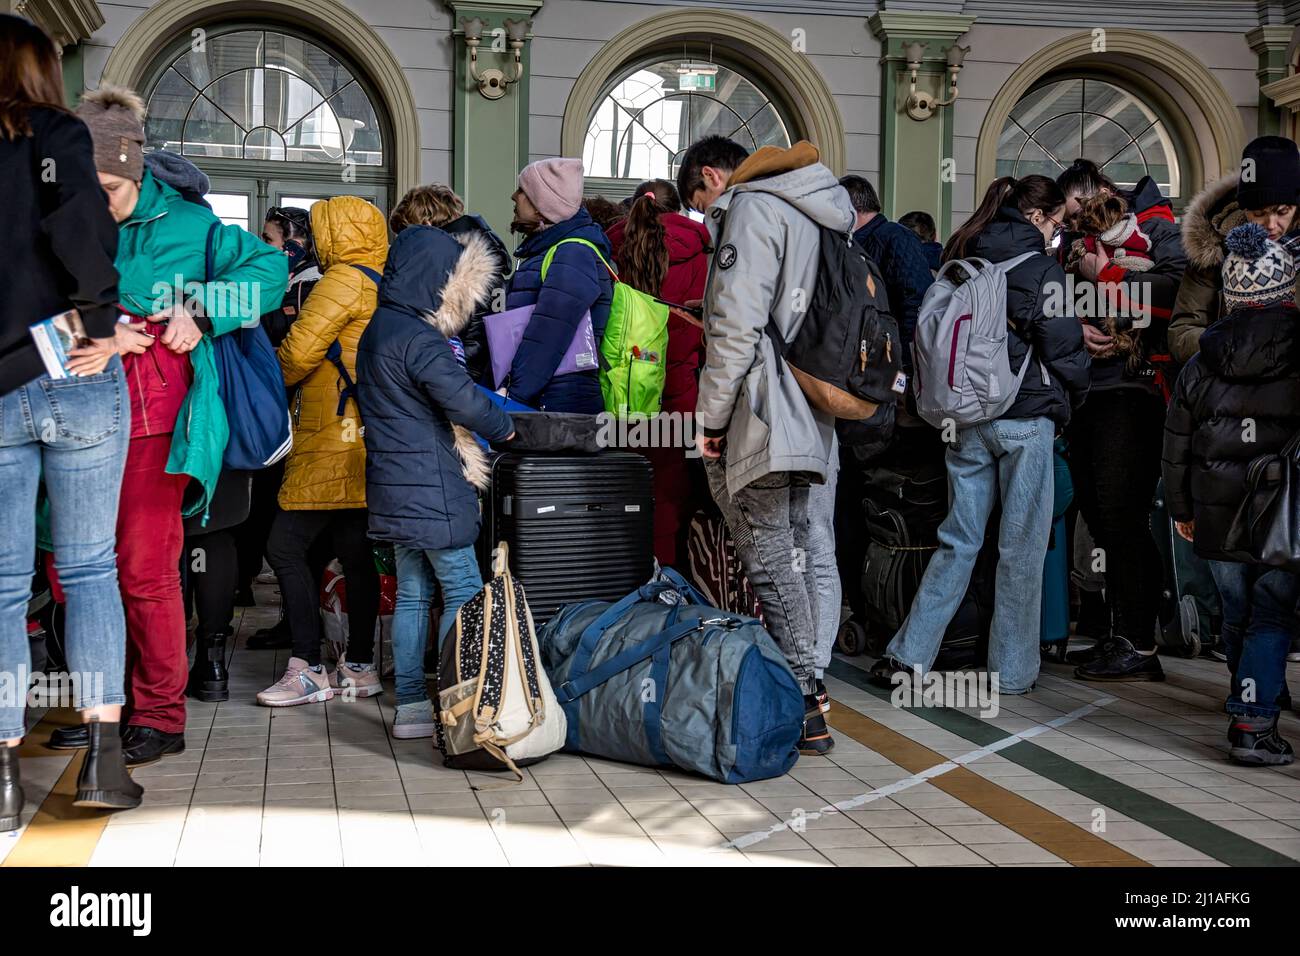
[[614, 187], [1142, 89], [290, 171]]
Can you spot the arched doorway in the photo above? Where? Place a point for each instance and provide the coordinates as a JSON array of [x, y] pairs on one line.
[[273, 117], [741, 76], [153, 41], [1194, 117]]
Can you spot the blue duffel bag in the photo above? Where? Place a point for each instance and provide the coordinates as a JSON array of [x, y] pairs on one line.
[[675, 684]]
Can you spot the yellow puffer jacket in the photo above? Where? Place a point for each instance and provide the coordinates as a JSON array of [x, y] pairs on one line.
[[327, 468]]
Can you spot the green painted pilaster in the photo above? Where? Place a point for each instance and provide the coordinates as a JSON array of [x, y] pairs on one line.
[[916, 156], [74, 74], [1269, 44], [491, 136]]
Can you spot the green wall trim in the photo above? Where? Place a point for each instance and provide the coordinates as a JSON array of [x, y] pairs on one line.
[[1270, 45], [490, 142], [918, 146], [74, 74]]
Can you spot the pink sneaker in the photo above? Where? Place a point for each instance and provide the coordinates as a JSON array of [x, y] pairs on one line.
[[299, 685], [352, 681]]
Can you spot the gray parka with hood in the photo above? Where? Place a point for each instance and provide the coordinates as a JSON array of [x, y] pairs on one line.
[[765, 231]]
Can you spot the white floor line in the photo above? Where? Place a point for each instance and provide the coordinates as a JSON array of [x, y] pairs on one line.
[[758, 836]]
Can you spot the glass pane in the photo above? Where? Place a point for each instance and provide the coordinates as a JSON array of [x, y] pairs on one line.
[[304, 59], [316, 138], [1010, 143], [286, 99], [209, 132], [301, 202], [1033, 159], [219, 55], [1161, 159], [362, 137], [1039, 105], [168, 105], [239, 96], [1060, 138], [1103, 139], [231, 208], [1119, 105], [263, 143], [653, 114]]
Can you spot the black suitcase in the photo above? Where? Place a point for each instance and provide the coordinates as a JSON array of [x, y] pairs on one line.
[[579, 527]]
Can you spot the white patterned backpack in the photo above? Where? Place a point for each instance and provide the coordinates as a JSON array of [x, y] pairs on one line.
[[495, 709]]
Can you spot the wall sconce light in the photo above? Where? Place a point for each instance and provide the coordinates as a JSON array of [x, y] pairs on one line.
[[494, 83], [920, 104]]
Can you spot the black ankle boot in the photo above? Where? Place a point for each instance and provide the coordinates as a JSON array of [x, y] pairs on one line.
[[104, 782], [209, 680], [11, 789]]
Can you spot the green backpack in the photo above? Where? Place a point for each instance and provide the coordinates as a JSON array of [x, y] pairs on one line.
[[634, 348]]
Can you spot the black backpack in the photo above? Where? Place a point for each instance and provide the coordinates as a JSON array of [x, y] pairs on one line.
[[846, 353]]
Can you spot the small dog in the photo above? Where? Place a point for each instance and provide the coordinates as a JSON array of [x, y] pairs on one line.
[[1108, 226]]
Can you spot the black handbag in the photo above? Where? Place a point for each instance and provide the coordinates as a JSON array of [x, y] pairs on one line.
[[1266, 528]]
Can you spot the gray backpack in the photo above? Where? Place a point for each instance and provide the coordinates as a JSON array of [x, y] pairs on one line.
[[963, 373]]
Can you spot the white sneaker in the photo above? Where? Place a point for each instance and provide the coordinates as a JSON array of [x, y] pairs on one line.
[[299, 685], [414, 720], [351, 681]]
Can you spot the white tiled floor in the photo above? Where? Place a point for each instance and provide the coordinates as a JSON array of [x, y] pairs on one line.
[[326, 785]]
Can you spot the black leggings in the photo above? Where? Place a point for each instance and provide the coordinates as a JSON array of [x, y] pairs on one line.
[[211, 569], [292, 535], [1115, 442]]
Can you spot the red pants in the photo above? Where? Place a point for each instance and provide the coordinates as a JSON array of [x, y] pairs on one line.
[[149, 542]]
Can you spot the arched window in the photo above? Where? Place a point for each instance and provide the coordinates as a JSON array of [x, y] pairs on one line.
[[1060, 120], [650, 114], [272, 117]]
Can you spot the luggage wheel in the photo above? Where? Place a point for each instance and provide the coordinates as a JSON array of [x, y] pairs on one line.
[[851, 638]]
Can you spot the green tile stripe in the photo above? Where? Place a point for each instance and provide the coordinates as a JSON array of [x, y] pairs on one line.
[[1187, 828]]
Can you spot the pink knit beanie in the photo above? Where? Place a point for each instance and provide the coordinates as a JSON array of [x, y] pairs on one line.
[[554, 186]]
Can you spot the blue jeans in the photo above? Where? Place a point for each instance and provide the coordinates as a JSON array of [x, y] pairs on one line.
[[73, 434], [1259, 621], [1015, 456], [455, 571]]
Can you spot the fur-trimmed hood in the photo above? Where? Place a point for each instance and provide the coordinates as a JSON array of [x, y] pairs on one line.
[[1208, 220], [417, 260], [418, 281]]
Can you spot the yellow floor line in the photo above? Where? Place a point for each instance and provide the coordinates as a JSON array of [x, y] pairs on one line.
[[1054, 834]]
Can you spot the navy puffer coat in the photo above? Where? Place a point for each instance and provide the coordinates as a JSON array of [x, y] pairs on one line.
[[418, 404], [576, 282]]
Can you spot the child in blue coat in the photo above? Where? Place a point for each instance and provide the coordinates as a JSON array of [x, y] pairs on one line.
[[423, 465]]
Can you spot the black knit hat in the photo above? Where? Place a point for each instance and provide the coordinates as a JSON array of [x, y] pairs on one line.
[[1270, 173]]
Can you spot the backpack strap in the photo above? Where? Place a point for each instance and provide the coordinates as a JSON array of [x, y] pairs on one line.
[[334, 354], [550, 254]]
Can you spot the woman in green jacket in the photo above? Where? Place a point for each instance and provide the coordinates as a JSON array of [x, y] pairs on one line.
[[178, 423]]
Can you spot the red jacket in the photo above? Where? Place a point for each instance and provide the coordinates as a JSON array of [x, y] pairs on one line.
[[688, 270], [157, 381]]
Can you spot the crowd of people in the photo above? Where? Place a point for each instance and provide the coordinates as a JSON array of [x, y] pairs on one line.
[[113, 477]]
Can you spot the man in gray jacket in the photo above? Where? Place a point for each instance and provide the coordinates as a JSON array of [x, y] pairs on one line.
[[767, 453]]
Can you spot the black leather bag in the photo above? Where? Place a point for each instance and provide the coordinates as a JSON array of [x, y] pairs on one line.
[[1266, 528]]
